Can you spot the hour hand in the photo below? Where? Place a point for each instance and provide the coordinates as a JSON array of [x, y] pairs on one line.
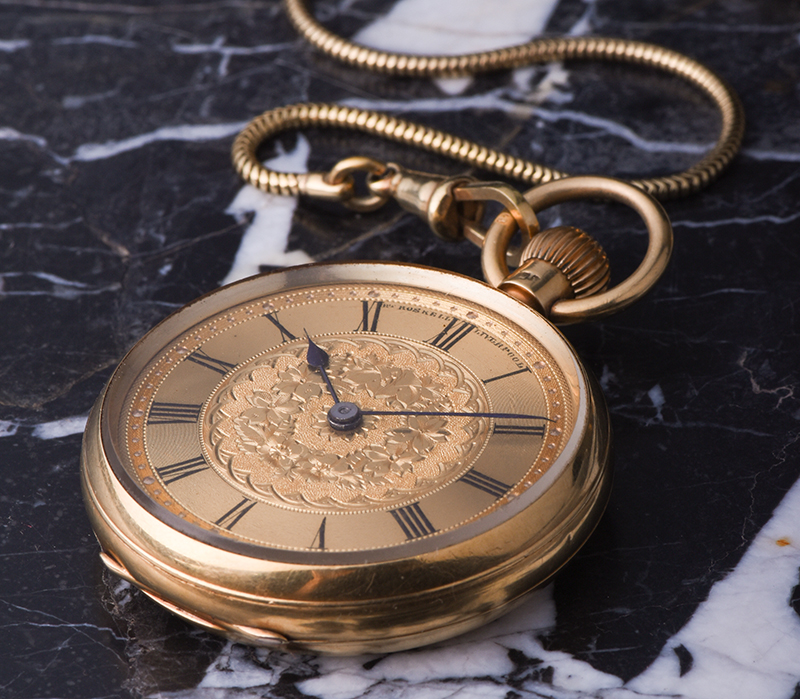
[[316, 356], [318, 359], [343, 416]]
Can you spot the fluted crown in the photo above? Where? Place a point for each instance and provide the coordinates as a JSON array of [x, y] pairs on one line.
[[576, 254]]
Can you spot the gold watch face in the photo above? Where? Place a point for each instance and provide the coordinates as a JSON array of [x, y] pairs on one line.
[[322, 414]]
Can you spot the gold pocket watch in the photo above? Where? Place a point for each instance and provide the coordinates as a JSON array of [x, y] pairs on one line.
[[362, 457]]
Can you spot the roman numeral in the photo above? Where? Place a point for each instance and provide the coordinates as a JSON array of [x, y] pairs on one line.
[[204, 360], [530, 430], [454, 332], [182, 469], [173, 413], [485, 483], [319, 537], [231, 517], [369, 318], [412, 521], [285, 334], [505, 376]]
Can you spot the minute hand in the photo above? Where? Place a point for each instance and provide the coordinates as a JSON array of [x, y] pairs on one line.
[[434, 413]]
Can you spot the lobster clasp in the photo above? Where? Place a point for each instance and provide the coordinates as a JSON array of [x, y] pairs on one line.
[[432, 198], [454, 206]]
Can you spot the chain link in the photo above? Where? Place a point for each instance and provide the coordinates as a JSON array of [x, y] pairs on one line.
[[301, 116]]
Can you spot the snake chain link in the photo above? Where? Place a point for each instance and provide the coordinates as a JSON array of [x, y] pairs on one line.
[[538, 51]]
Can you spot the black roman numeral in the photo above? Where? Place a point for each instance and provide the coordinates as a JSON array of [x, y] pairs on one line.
[[530, 430], [173, 413], [454, 332], [182, 469], [412, 521], [485, 483], [370, 314], [285, 334], [204, 360], [231, 517], [319, 537], [505, 376]]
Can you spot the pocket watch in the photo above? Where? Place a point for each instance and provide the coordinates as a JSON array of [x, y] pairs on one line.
[[346, 458], [360, 456], [368, 457]]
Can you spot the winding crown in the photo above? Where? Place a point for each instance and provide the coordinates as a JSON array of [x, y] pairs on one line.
[[576, 254], [558, 263]]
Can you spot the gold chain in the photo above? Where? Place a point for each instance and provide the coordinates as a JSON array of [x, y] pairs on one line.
[[538, 51]]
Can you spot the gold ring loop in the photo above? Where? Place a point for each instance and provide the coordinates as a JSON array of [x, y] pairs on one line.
[[343, 171], [514, 202], [659, 246]]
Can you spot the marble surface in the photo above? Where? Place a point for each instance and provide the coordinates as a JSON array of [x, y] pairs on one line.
[[118, 205]]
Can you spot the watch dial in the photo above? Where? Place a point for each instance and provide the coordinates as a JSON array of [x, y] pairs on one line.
[[341, 417]]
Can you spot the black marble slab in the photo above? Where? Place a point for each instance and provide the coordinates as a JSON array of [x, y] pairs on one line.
[[115, 127]]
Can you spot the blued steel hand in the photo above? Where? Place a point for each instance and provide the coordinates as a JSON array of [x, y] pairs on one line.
[[500, 416], [319, 359], [343, 416]]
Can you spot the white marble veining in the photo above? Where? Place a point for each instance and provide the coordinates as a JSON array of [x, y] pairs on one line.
[[12, 45], [780, 392], [499, 100], [739, 221], [441, 670], [54, 429], [455, 26], [49, 284], [742, 642], [772, 155], [65, 427], [477, 666], [80, 101], [96, 39], [195, 133], [9, 134], [264, 241], [8, 428], [88, 152], [226, 53]]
